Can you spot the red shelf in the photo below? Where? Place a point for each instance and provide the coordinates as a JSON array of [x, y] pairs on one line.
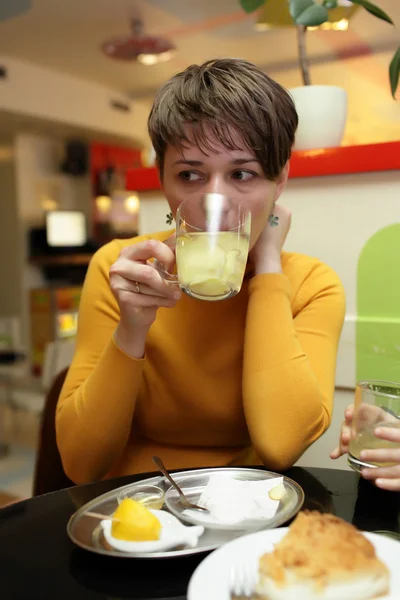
[[310, 163], [347, 159], [144, 179]]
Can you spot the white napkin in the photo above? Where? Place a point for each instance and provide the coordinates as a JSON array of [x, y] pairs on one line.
[[231, 501]]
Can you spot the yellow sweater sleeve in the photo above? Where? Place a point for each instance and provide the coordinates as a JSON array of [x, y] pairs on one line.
[[96, 406], [290, 363]]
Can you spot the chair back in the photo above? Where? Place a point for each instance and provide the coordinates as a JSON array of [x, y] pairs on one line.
[[49, 473]]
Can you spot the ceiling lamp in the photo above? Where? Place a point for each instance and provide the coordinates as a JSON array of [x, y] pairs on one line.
[[145, 49], [275, 14]]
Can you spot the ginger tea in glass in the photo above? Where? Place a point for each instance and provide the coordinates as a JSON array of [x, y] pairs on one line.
[[212, 245]]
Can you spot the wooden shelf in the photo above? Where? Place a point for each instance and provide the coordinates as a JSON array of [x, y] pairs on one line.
[[65, 259]]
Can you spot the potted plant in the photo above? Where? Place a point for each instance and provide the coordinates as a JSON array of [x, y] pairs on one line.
[[322, 109]]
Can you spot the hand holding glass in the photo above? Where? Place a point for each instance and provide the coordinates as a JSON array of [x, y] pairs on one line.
[[377, 404]]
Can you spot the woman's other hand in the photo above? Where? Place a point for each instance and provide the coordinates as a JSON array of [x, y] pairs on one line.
[[345, 434], [266, 253], [388, 477]]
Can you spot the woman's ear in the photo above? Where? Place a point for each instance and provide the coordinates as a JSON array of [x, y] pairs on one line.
[[281, 181]]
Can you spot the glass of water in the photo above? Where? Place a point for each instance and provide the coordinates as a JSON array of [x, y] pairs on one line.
[[211, 247], [377, 404]]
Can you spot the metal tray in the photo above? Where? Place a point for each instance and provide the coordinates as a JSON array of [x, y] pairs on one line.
[[86, 533]]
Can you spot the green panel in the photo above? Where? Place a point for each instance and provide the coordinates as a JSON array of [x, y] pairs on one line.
[[378, 307]]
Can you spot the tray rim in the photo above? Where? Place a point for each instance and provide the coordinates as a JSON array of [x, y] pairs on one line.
[[156, 480]]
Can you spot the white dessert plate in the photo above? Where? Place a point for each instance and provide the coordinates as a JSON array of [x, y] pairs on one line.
[[173, 534], [212, 577]]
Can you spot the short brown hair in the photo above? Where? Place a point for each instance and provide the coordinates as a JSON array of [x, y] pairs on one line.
[[219, 96]]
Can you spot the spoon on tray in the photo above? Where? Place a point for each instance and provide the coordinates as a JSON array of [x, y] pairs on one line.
[[183, 500]]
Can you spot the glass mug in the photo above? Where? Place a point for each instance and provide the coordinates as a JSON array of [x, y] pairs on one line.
[[211, 247], [377, 404]]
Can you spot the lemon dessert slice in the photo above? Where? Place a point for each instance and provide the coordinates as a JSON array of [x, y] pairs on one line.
[[133, 522]]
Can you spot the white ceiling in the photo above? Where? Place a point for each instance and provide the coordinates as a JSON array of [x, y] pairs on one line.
[[67, 34]]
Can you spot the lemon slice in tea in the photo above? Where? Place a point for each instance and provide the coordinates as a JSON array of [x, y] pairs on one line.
[[210, 286]]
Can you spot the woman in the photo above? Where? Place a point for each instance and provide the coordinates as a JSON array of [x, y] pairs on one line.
[[245, 380], [388, 477]]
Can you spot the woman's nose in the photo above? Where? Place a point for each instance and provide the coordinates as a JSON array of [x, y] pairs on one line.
[[217, 185]]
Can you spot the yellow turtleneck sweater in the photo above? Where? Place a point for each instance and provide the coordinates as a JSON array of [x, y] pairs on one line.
[[217, 377]]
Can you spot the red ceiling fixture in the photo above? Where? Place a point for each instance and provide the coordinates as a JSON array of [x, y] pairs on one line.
[[143, 48]]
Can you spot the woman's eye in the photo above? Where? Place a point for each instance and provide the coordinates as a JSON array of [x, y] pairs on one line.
[[189, 176], [243, 175]]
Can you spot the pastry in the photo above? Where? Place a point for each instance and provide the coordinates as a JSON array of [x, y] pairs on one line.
[[322, 558]]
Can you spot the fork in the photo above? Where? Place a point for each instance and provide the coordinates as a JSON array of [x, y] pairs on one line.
[[182, 498], [242, 581]]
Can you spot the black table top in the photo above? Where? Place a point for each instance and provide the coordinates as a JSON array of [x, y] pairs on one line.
[[38, 561]]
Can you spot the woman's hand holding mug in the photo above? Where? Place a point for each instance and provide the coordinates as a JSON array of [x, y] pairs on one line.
[[140, 290]]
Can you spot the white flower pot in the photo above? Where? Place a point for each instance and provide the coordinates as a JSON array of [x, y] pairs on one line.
[[322, 111]]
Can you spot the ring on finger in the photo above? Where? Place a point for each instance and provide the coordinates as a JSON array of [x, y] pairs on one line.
[[137, 286]]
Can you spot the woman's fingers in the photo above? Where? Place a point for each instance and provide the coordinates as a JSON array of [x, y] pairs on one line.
[[382, 472], [344, 441], [345, 434], [150, 281], [386, 478], [128, 295], [335, 453], [348, 413], [392, 485], [392, 434], [150, 249], [381, 455], [384, 455]]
